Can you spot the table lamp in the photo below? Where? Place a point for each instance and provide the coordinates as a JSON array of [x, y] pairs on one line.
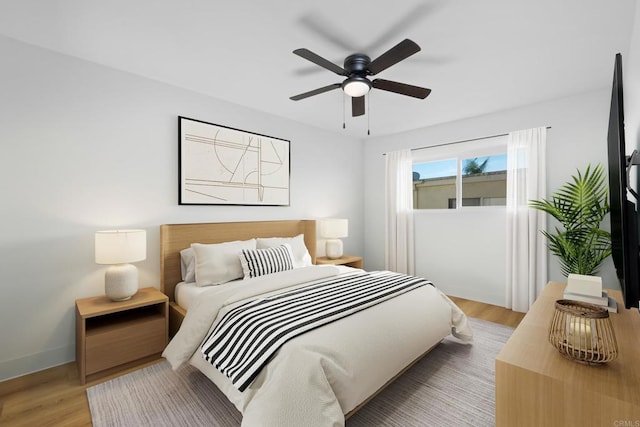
[[333, 229], [118, 248]]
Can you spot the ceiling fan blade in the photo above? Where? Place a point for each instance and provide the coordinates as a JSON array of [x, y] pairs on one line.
[[318, 60], [401, 88], [401, 51], [357, 106], [315, 92]]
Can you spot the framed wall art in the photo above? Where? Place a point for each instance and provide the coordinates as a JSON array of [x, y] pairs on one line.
[[219, 165]]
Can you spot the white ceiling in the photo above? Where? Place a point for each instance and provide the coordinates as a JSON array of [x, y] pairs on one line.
[[477, 56]]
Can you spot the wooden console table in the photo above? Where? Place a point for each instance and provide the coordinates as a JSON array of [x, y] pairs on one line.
[[537, 386]]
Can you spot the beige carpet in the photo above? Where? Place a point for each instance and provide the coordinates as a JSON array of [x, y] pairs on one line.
[[452, 386]]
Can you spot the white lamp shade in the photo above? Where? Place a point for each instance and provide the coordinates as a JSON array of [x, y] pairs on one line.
[[334, 228], [120, 246]]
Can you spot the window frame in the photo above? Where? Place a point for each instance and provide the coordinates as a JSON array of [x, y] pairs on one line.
[[461, 151]]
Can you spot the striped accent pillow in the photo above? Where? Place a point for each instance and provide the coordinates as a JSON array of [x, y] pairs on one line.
[[259, 262]]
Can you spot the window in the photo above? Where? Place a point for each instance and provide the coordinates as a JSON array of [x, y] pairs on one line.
[[434, 184], [466, 177], [484, 181]]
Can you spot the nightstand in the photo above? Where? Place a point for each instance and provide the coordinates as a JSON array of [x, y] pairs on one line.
[[111, 336], [348, 260]]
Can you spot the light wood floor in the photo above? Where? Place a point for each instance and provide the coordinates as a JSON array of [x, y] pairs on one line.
[[488, 312], [54, 397]]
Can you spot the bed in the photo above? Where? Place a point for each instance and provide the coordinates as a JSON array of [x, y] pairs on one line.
[[319, 377], [175, 237]]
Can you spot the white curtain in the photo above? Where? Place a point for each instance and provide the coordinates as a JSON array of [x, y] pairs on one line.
[[526, 251], [399, 251]]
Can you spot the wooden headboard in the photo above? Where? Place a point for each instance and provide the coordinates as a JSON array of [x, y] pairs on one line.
[[175, 237]]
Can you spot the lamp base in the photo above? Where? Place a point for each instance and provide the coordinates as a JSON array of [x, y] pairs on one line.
[[333, 248], [121, 282]]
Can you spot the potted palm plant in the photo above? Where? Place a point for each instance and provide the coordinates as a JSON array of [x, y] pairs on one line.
[[580, 206]]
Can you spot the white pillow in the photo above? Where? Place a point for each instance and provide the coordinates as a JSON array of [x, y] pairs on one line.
[[188, 265], [301, 257], [260, 262], [219, 263]]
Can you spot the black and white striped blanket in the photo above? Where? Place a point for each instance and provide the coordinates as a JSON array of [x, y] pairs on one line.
[[247, 336]]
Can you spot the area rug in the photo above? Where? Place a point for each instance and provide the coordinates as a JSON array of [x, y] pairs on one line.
[[451, 386]]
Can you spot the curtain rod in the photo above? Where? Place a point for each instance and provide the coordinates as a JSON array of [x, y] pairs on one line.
[[460, 142]]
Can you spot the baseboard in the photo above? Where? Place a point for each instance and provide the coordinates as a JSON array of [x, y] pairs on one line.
[[479, 295], [36, 362]]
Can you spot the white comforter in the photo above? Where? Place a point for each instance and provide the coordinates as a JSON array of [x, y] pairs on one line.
[[316, 378]]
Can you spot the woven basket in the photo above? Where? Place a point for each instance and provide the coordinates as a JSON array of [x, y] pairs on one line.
[[583, 332]]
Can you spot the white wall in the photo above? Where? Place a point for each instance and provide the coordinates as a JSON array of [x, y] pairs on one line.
[[461, 252], [86, 147], [631, 78], [577, 137]]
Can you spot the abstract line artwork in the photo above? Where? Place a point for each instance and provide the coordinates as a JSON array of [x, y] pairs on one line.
[[219, 165]]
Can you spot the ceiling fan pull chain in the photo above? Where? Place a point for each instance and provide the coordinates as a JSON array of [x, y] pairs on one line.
[[369, 115], [344, 100]]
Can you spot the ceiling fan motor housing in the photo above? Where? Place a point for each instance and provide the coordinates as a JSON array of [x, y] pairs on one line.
[[357, 64]]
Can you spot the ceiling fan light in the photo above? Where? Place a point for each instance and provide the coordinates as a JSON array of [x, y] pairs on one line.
[[356, 87]]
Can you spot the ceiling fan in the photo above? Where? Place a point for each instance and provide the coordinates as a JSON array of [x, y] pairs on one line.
[[356, 69]]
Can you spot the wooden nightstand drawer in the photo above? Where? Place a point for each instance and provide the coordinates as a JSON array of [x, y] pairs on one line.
[[117, 346], [111, 336]]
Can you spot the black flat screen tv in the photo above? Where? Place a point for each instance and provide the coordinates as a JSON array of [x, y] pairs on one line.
[[625, 250]]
